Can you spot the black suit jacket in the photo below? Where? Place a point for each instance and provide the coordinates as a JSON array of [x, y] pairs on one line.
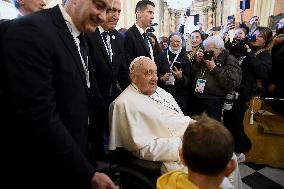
[[108, 73], [134, 45], [46, 133]]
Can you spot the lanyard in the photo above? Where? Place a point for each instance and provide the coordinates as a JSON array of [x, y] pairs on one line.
[[108, 46], [84, 64], [168, 57]]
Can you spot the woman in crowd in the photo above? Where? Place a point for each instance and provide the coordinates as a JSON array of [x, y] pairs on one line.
[[155, 43], [174, 71], [196, 45], [262, 49], [163, 41], [215, 73], [235, 108]]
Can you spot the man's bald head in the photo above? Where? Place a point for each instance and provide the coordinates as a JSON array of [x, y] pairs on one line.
[[143, 73]]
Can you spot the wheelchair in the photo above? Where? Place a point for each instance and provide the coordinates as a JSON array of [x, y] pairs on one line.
[[130, 172]]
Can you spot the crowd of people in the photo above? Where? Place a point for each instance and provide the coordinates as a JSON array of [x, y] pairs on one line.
[[71, 84], [219, 75]]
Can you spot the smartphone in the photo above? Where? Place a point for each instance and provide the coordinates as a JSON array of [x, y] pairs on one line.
[[188, 46], [231, 19], [177, 65], [218, 28], [244, 4]]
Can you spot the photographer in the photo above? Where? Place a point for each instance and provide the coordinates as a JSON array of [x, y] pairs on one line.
[[255, 64], [214, 74], [235, 109], [174, 71]]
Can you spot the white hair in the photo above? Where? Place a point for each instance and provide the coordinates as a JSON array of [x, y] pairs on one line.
[[133, 65], [215, 40]]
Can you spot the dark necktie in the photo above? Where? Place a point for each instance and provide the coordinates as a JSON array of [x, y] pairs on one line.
[[84, 53], [83, 48], [146, 41]]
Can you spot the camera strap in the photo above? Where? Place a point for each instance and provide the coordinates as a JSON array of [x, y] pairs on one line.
[[241, 59], [202, 73]]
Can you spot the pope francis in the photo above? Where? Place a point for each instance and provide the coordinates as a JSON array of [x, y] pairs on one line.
[[147, 121]]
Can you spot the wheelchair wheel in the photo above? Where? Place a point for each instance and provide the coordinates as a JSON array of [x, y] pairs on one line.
[[128, 178]]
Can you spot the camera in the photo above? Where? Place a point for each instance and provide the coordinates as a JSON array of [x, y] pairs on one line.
[[208, 55], [250, 38], [238, 45], [151, 28], [230, 97]]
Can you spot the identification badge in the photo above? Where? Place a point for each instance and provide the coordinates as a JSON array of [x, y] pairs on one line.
[[200, 85]]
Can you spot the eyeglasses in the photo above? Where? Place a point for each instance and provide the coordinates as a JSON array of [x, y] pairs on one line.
[[174, 41]]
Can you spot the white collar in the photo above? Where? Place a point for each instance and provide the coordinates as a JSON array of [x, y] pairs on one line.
[[136, 88], [101, 29], [140, 29], [70, 24], [173, 51], [139, 91]]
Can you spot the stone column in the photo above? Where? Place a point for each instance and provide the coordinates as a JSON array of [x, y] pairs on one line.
[[172, 20], [179, 19]]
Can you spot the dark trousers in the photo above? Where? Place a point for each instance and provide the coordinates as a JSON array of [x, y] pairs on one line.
[[233, 120], [99, 133], [211, 106]]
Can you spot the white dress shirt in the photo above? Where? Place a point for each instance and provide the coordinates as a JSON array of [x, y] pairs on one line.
[[150, 45]]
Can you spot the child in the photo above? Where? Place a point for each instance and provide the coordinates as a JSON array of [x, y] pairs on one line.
[[207, 152]]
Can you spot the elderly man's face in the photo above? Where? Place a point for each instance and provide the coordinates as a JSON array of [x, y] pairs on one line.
[[30, 6], [145, 77], [212, 47], [112, 14], [89, 14]]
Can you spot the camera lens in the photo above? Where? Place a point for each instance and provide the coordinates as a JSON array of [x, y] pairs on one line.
[[227, 106], [208, 55], [230, 96]]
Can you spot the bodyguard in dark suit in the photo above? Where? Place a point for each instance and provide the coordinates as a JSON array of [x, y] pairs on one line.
[[50, 95], [111, 73], [136, 41]]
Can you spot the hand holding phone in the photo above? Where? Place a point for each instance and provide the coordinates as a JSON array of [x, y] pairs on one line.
[[231, 19], [176, 70], [177, 65]]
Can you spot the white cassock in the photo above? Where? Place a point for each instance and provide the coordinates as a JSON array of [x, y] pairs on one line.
[[150, 127]]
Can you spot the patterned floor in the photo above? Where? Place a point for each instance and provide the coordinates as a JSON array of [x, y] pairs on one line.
[[261, 176]]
